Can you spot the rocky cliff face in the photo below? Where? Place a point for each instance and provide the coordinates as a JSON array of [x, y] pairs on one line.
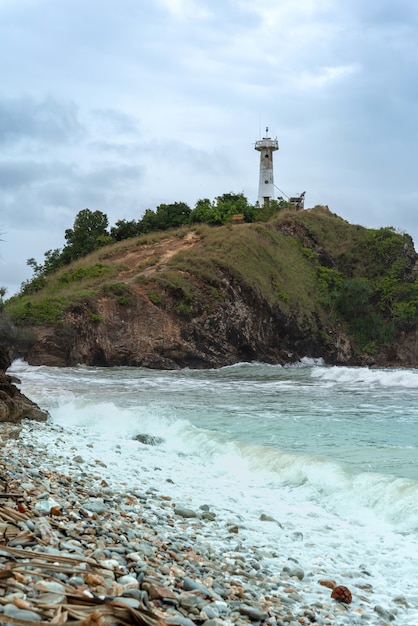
[[256, 295], [243, 328], [14, 406]]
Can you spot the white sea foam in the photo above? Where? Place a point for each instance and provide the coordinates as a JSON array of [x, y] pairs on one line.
[[365, 376], [319, 480], [348, 517], [339, 539]]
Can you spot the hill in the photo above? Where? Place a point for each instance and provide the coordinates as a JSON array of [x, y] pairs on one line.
[[305, 283]]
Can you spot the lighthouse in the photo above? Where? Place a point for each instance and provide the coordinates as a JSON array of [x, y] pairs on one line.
[[266, 147]]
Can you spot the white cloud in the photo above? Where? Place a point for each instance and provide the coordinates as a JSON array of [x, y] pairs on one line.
[[273, 13], [185, 9], [323, 76]]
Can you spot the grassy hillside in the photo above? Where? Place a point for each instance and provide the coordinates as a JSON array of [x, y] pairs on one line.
[[310, 265]]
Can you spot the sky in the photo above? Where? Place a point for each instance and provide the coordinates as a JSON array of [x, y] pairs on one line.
[[121, 105]]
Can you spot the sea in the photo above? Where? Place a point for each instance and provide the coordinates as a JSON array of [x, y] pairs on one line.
[[329, 453]]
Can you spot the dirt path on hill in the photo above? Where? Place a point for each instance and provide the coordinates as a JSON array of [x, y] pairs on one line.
[[151, 258]]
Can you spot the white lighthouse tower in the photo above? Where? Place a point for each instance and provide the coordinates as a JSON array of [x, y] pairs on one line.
[[266, 147]]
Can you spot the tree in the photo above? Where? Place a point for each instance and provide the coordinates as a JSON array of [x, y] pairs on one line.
[[3, 292], [37, 268], [202, 212], [205, 212], [149, 221], [53, 260], [231, 203], [172, 215], [222, 209], [124, 229], [271, 208], [384, 249], [89, 233], [355, 297]]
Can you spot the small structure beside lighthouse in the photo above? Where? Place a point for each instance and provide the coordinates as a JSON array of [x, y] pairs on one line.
[[266, 147]]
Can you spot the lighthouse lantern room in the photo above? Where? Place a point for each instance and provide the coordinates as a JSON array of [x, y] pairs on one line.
[[266, 147]]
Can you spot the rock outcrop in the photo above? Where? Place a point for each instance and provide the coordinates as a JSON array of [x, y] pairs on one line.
[[144, 334], [272, 292], [14, 406]]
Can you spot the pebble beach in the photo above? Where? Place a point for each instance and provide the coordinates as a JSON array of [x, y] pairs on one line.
[[78, 545]]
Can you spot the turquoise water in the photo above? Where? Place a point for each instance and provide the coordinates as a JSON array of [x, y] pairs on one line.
[[331, 452], [364, 419]]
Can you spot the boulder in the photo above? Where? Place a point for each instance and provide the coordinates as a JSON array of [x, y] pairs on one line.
[[14, 406]]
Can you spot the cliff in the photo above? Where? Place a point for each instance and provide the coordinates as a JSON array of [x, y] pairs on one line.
[[14, 406], [306, 283]]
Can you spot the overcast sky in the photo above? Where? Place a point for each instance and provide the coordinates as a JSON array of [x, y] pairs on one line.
[[120, 105]]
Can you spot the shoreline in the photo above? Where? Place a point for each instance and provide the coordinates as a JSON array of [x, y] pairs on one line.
[[75, 545]]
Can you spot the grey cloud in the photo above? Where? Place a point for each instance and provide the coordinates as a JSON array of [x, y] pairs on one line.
[[48, 120], [109, 187], [15, 175], [117, 122], [191, 159], [56, 192], [124, 150], [18, 174], [377, 13]]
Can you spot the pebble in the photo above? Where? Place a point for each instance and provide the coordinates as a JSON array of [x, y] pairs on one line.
[[12, 611], [132, 602], [253, 612], [180, 620], [183, 512], [383, 613], [294, 571], [192, 584], [137, 556], [95, 505]]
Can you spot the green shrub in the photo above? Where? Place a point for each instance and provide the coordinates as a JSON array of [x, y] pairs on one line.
[[95, 317], [33, 285], [46, 311], [281, 294], [355, 297], [119, 290], [184, 309], [81, 273], [329, 278], [154, 297], [310, 254], [179, 285]]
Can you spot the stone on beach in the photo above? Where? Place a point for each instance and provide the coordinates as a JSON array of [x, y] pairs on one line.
[[184, 512], [342, 594], [122, 556], [253, 612], [294, 571], [328, 583]]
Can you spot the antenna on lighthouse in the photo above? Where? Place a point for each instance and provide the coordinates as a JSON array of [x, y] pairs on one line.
[[266, 147]]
